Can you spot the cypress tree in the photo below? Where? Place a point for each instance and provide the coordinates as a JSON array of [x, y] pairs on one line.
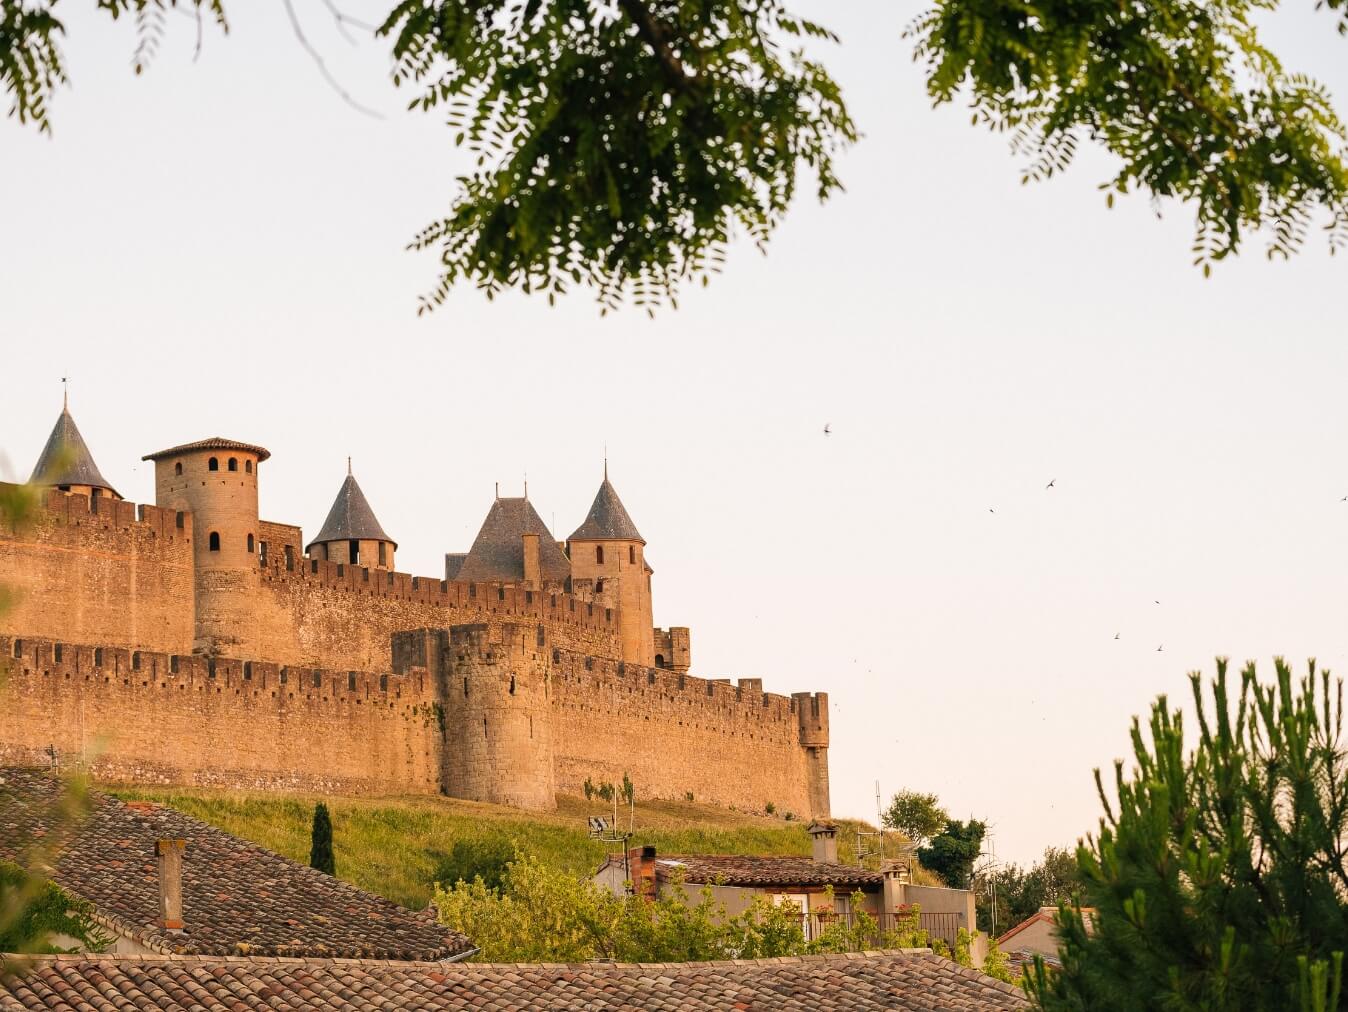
[[320, 852]]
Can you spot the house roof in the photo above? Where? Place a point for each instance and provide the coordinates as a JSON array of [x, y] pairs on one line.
[[237, 897], [66, 459], [453, 563], [351, 518], [497, 554], [607, 519], [1044, 915], [211, 443], [737, 870], [860, 982]]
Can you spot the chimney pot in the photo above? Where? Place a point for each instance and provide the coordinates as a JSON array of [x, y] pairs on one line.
[[170, 860], [824, 842]]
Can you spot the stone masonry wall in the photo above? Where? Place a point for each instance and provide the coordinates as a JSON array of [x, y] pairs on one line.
[[675, 734], [119, 574], [149, 717]]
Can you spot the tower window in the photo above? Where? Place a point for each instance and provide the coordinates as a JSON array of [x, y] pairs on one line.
[[250, 544], [632, 554], [178, 467], [248, 466], [212, 464], [178, 519], [512, 685], [233, 463], [215, 541], [353, 551], [598, 586], [659, 660], [290, 558], [599, 555], [383, 554]]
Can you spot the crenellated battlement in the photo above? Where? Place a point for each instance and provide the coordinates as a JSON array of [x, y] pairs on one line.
[[74, 510]]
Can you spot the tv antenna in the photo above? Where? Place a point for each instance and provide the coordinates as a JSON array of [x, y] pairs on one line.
[[872, 844]]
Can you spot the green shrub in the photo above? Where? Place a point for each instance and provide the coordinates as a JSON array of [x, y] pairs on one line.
[[485, 858]]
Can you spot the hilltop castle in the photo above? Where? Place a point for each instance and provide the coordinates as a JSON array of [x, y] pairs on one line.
[[193, 642]]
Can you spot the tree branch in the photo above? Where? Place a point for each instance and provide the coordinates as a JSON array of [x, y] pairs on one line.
[[653, 32]]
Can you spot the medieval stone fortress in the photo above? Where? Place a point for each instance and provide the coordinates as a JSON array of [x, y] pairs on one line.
[[194, 642]]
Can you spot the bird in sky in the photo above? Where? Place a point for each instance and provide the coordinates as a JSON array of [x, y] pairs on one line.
[[1160, 648], [828, 428], [1116, 635], [1051, 484], [991, 510], [1156, 602]]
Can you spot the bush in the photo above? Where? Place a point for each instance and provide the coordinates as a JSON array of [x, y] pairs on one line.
[[485, 858], [46, 910], [770, 808], [545, 915]]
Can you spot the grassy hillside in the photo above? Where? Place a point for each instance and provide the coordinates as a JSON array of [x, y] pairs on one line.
[[393, 846]]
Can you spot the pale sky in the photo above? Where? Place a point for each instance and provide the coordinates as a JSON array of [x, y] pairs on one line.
[[217, 248]]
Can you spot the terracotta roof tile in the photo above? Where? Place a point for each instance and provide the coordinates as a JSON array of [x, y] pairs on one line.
[[904, 981], [237, 897], [211, 443]]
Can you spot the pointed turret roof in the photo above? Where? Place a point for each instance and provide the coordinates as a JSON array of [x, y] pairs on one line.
[[498, 553], [351, 518], [66, 459], [607, 519]]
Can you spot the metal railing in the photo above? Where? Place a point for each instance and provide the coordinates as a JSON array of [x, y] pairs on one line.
[[878, 928]]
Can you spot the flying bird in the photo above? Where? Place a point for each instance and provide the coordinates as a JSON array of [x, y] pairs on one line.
[[828, 428], [991, 510], [1160, 648], [1116, 635], [1051, 484]]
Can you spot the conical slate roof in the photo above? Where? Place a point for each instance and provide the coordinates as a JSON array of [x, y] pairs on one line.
[[607, 519], [66, 459], [351, 518], [497, 556]]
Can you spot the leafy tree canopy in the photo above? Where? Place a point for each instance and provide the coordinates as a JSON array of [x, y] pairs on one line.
[[917, 816], [1218, 876], [1022, 892], [621, 143], [951, 853]]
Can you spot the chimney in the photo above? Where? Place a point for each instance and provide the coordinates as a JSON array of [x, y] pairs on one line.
[[824, 841], [641, 863], [533, 564], [895, 890], [170, 854]]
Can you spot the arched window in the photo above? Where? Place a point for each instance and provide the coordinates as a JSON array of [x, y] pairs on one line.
[[598, 586], [248, 466], [233, 463], [512, 685], [659, 660], [215, 541], [599, 555], [212, 465], [250, 544], [632, 554], [178, 467]]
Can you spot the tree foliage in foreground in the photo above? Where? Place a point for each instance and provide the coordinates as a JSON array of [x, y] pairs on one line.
[[48, 913], [1183, 93], [952, 853], [1220, 875], [621, 144]]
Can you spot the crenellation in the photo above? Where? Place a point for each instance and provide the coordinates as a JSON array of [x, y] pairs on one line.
[[190, 641]]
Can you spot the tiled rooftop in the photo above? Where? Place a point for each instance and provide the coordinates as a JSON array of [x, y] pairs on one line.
[[861, 982], [237, 897], [736, 870]]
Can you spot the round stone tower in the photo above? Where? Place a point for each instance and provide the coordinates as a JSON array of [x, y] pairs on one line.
[[216, 481]]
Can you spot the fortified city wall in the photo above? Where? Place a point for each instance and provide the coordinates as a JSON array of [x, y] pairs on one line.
[[104, 571]]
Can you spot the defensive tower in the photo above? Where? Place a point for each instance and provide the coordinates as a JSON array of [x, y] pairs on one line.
[[67, 464], [216, 480], [608, 549], [352, 533]]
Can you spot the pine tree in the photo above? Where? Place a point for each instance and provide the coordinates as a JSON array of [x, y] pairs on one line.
[[320, 851], [1218, 878]]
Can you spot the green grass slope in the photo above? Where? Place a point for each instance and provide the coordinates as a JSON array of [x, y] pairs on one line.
[[393, 846]]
